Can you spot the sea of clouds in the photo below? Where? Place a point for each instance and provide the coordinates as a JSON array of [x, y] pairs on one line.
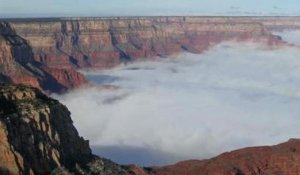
[[292, 36], [191, 106]]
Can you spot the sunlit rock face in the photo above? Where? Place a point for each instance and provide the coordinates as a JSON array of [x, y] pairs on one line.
[[18, 65], [105, 42]]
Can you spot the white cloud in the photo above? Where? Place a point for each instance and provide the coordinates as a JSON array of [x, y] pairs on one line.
[[290, 36], [193, 106]]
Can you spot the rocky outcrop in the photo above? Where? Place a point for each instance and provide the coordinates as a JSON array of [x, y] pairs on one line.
[[14, 51], [37, 136], [45, 53], [282, 159]]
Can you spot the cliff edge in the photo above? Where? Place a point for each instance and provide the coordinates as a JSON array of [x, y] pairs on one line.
[[17, 65], [37, 136]]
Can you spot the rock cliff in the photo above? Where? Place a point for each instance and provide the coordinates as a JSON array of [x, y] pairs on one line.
[[45, 53], [105, 42], [17, 65], [282, 159], [37, 136]]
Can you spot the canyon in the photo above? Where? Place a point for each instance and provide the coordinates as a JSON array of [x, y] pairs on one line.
[[46, 53], [37, 134]]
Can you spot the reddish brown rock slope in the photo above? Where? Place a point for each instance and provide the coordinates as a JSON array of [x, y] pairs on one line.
[[282, 159], [17, 65]]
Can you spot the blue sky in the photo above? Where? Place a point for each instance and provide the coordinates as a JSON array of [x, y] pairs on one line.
[[19, 8]]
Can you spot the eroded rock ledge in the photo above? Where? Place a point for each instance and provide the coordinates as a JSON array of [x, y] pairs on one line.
[[37, 136]]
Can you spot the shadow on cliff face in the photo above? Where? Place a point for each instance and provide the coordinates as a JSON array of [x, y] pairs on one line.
[[191, 106]]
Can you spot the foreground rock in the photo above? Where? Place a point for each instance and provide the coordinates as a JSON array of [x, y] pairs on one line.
[[282, 159], [37, 136]]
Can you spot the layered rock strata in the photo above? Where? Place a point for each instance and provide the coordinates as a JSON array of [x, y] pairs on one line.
[[17, 65], [46, 53]]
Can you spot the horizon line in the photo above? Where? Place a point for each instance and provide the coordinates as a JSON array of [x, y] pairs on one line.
[[141, 16]]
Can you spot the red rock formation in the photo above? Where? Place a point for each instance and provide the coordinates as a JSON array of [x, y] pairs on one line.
[[25, 79], [10, 69], [69, 78], [18, 66], [282, 159], [136, 170]]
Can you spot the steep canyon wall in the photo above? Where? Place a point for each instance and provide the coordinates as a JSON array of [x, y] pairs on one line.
[[45, 53]]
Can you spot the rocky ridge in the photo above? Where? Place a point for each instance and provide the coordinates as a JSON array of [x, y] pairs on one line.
[[37, 136], [282, 159]]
